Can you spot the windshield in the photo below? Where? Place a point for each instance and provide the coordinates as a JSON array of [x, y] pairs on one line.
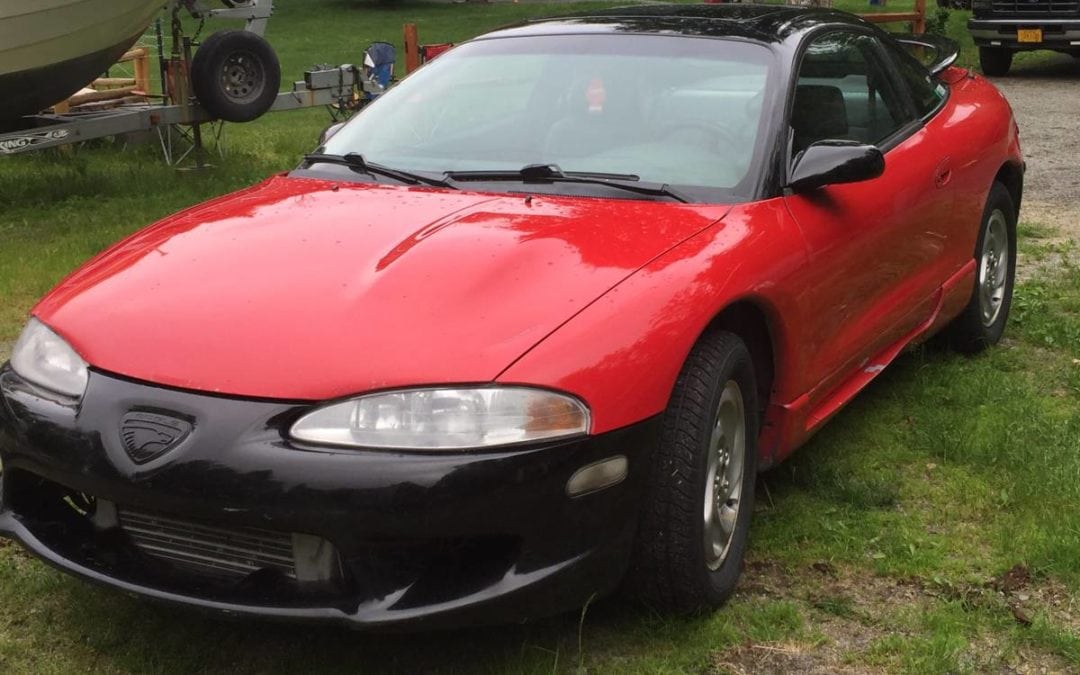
[[665, 109]]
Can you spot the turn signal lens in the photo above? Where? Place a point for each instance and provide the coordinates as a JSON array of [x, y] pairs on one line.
[[553, 413], [597, 476]]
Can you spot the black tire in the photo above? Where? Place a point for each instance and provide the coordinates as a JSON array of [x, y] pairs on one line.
[[670, 569], [979, 326], [236, 75], [995, 61]]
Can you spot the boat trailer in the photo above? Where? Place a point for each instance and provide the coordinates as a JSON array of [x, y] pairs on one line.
[[338, 87], [342, 89]]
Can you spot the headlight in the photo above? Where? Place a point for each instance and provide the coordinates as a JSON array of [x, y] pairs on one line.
[[445, 419], [43, 358]]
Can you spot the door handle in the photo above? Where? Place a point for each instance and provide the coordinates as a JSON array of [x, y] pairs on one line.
[[943, 174]]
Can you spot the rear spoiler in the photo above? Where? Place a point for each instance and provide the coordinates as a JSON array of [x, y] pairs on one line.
[[936, 52]]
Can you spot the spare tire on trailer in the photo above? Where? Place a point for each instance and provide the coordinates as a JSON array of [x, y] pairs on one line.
[[236, 75]]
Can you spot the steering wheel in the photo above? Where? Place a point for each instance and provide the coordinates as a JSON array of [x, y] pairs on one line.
[[718, 136]]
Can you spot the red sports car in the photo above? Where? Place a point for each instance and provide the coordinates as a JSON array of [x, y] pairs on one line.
[[523, 330]]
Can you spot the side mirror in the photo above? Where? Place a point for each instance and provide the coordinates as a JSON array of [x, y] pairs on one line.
[[830, 162], [329, 132]]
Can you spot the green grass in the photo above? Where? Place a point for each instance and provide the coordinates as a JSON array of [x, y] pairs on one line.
[[947, 472]]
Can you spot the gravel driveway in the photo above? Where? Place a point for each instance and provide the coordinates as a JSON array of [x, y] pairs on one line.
[[1046, 100]]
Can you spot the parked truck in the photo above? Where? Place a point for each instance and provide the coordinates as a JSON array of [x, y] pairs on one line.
[[1002, 27]]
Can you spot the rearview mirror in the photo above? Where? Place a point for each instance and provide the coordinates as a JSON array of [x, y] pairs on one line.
[[831, 162], [329, 132]]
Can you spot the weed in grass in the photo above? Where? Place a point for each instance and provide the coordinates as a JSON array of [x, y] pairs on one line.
[[836, 605], [1047, 310], [1025, 231]]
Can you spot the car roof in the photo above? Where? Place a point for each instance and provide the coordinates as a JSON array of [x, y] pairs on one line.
[[767, 23]]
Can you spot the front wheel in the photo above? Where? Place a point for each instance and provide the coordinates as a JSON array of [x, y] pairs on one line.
[[700, 485], [982, 322], [995, 61]]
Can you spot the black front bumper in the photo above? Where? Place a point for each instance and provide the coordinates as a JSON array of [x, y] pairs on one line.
[[425, 540], [1057, 34]]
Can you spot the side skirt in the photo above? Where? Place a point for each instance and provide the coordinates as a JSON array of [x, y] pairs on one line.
[[789, 425]]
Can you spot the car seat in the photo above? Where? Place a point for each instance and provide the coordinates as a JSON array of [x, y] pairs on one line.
[[818, 113]]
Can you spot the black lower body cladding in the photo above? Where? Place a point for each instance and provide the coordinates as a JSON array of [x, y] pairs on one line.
[[226, 513]]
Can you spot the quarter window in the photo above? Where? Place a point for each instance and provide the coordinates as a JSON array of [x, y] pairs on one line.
[[843, 92], [925, 92]]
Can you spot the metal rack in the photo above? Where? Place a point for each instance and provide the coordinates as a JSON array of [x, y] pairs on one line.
[[47, 130]]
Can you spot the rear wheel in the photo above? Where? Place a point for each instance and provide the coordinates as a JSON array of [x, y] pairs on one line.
[[983, 320], [995, 61], [700, 493]]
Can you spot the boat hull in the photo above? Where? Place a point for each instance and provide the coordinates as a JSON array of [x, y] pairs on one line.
[[30, 91], [49, 49]]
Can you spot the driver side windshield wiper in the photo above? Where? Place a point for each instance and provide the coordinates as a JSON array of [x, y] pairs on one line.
[[356, 162], [551, 173]]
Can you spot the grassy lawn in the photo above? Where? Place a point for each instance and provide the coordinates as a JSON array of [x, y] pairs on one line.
[[933, 526]]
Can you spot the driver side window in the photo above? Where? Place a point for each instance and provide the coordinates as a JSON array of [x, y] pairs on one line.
[[843, 92]]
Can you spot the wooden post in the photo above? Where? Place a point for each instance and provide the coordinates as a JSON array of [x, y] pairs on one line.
[[142, 72], [134, 53], [919, 25], [412, 48]]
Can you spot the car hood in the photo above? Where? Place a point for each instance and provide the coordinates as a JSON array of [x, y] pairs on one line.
[[308, 290]]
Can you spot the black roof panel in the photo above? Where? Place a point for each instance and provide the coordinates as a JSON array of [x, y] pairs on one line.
[[759, 22]]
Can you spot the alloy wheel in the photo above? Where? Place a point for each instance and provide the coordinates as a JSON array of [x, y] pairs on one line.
[[724, 475]]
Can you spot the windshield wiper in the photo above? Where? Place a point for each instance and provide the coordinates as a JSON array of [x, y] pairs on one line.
[[551, 173], [356, 162]]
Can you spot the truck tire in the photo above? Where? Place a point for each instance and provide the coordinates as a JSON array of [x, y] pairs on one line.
[[995, 61], [235, 74]]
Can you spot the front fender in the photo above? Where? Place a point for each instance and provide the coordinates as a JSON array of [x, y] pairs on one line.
[[622, 354]]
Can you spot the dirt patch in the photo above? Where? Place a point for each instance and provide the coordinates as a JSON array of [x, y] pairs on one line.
[[1045, 98], [851, 612], [781, 660], [1027, 597]]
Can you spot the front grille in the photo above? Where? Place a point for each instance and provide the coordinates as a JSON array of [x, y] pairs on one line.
[[228, 552], [1035, 8]]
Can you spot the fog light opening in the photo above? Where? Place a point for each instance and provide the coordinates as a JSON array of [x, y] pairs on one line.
[[597, 476]]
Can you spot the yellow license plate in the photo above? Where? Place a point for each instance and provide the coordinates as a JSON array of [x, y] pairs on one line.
[[1029, 35]]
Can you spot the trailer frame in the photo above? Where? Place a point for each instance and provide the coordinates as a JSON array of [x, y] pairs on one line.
[[339, 86]]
